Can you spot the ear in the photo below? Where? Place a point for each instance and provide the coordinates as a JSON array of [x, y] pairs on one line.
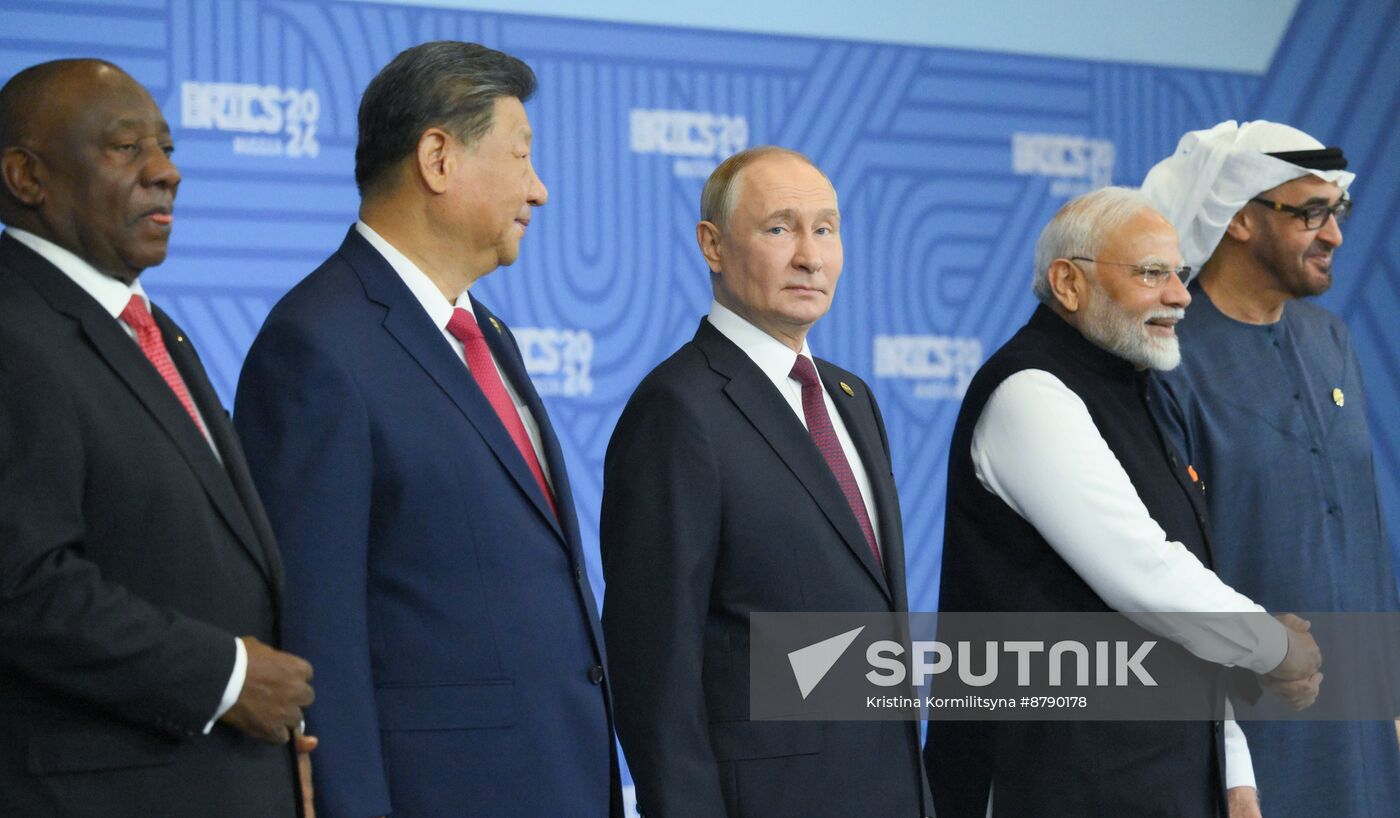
[[1068, 283], [707, 236], [1241, 226], [435, 159], [21, 173]]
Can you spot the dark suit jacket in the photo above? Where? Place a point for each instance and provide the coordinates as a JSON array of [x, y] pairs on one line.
[[717, 504], [448, 613], [129, 559]]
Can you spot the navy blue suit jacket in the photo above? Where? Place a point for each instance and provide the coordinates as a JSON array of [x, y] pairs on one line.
[[446, 610]]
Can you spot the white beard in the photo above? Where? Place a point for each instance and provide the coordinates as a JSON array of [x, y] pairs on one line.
[[1126, 335]]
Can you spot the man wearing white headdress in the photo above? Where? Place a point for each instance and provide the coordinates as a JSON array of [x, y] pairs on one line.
[[1269, 408]]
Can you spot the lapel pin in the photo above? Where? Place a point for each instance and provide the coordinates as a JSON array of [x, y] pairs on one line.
[[496, 324], [1338, 398], [179, 339], [1191, 470], [847, 389]]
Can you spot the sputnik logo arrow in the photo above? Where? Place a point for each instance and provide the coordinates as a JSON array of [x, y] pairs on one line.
[[811, 664]]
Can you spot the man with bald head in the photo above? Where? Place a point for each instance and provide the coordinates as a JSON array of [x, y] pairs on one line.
[[1062, 496], [747, 476], [139, 581], [1269, 406]]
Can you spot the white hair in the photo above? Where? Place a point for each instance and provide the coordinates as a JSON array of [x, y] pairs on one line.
[[1080, 227]]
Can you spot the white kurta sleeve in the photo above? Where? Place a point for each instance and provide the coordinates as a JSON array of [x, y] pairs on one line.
[[1036, 447]]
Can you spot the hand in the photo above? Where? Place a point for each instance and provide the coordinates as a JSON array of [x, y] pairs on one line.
[[1244, 802], [305, 744], [277, 687], [1299, 694], [1303, 657]]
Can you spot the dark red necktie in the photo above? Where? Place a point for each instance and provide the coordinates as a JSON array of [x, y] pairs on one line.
[[138, 316], [478, 356], [824, 435]]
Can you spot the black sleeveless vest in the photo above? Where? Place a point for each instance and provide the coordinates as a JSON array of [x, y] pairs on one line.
[[993, 560]]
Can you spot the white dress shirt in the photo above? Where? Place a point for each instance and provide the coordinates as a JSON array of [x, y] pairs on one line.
[[113, 296], [439, 310], [776, 359], [1036, 447]]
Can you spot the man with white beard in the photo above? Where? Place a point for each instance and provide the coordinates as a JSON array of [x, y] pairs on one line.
[[1064, 497]]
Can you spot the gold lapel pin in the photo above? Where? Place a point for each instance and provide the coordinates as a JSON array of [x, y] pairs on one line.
[[179, 339], [496, 324], [845, 387], [1338, 398]]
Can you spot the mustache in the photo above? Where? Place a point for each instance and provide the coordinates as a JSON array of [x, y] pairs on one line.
[[1177, 313]]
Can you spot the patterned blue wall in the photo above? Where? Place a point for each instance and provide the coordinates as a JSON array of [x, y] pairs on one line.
[[948, 163]]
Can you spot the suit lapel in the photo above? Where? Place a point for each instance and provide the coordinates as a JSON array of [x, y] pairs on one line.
[[753, 394], [234, 466], [414, 331], [508, 356], [125, 358], [865, 434]]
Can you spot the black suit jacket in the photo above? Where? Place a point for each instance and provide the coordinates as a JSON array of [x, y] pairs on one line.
[[716, 505], [130, 557]]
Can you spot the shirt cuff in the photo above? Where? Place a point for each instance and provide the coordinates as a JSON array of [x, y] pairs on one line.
[[1239, 767], [235, 684], [1273, 647]]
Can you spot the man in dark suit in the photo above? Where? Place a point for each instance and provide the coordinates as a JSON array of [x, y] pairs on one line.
[[746, 476], [140, 586], [420, 495]]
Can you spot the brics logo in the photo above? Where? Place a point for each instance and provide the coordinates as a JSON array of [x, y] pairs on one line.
[[269, 121], [941, 366], [698, 139], [1078, 164], [559, 361]]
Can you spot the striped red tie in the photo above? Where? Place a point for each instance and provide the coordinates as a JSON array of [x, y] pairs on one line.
[[138, 316], [465, 329], [824, 435]]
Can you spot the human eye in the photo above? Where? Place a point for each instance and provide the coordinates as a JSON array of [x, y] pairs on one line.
[[1316, 214], [1155, 274], [776, 230]]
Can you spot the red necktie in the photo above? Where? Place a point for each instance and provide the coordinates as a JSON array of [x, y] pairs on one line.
[[138, 317], [478, 356], [824, 435]]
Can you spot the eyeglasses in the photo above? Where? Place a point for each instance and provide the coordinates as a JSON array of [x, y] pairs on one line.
[[1315, 215], [1152, 275]]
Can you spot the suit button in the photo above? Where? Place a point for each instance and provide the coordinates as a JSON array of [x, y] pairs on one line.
[[595, 674]]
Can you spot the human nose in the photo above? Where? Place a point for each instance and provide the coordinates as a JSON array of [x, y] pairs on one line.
[[1175, 294], [539, 194], [806, 256], [1331, 231], [160, 169]]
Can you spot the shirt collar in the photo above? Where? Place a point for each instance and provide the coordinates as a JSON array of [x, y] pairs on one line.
[[771, 355], [111, 293], [437, 306]]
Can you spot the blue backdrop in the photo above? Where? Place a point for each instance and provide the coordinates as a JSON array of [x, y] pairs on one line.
[[948, 162]]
